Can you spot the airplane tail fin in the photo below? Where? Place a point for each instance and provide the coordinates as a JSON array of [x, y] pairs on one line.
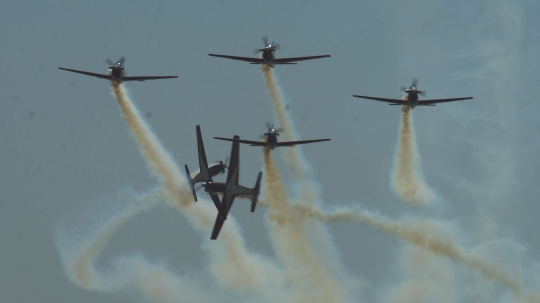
[[190, 181], [257, 190]]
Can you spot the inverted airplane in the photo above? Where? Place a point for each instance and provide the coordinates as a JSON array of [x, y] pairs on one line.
[[205, 173], [230, 190], [268, 57], [116, 73], [412, 97], [271, 139]]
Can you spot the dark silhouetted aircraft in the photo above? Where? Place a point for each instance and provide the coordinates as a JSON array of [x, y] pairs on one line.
[[230, 189], [205, 173], [268, 57], [412, 97], [116, 73], [271, 139]]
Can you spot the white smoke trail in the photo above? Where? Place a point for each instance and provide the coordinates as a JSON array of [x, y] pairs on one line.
[[306, 189], [296, 163], [407, 180], [427, 278], [430, 235], [130, 272], [157, 158], [310, 280]]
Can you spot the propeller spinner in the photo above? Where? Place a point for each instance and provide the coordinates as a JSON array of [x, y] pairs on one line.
[[413, 86], [271, 128], [119, 63]]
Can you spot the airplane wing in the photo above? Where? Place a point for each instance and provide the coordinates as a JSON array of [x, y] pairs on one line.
[[393, 101], [216, 201], [234, 161], [102, 76], [247, 59], [293, 143], [143, 78], [433, 101], [217, 226], [295, 59], [200, 146], [252, 143]]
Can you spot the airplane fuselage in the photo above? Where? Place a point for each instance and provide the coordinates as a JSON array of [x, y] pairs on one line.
[[412, 98], [215, 187], [207, 175], [268, 57], [116, 73], [215, 169], [271, 140]]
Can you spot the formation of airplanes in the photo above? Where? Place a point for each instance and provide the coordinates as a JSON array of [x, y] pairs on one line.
[[230, 189]]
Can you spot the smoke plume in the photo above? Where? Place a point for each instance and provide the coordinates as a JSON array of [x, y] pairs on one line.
[[430, 235], [303, 268], [296, 163], [407, 180]]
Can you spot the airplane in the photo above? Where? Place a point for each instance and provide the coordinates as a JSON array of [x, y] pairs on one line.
[[271, 139], [230, 190], [268, 57], [412, 97], [205, 173], [116, 73]]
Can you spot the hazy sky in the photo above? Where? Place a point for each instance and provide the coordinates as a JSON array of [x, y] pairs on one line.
[[66, 151]]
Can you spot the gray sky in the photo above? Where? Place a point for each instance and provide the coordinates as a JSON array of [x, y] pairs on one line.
[[66, 151]]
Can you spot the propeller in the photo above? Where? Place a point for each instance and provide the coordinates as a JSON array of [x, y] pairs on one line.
[[225, 164], [256, 50], [415, 84], [266, 44], [112, 64], [269, 125]]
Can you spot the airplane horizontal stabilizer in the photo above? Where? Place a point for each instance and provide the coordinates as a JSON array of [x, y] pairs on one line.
[[190, 181], [257, 190]]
